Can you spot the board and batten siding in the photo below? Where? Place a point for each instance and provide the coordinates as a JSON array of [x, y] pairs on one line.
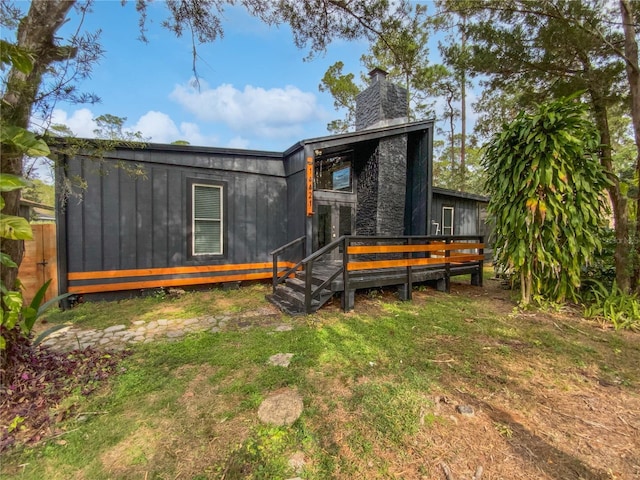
[[131, 232], [466, 211]]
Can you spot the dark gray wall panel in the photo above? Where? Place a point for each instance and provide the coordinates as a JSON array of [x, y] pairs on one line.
[[297, 206], [92, 203], [418, 158], [127, 207], [74, 211], [144, 221], [465, 217], [160, 216], [111, 218], [177, 221]]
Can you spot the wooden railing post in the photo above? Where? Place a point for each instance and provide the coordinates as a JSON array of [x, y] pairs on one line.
[[481, 252], [447, 265], [408, 255], [308, 279], [274, 279], [347, 299]]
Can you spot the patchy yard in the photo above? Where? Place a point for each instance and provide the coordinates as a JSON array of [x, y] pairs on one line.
[[444, 387]]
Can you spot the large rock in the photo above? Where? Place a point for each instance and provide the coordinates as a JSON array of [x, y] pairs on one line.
[[282, 408]]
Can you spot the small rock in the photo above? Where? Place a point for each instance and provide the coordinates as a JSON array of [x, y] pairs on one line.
[[297, 462], [281, 359], [176, 292], [465, 410]]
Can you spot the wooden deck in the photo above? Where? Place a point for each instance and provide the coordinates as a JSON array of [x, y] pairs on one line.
[[369, 262]]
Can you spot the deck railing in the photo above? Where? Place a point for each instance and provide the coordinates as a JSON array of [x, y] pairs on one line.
[[366, 253], [384, 253], [278, 278]]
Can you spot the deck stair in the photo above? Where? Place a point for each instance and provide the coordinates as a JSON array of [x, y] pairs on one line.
[[290, 297]]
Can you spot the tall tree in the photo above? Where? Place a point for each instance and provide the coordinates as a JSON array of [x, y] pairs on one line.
[[35, 35], [455, 56], [546, 197], [402, 51], [314, 23], [537, 50], [633, 75]]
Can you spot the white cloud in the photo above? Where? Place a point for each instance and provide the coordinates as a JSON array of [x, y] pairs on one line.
[[238, 142], [80, 122], [156, 127], [273, 113]]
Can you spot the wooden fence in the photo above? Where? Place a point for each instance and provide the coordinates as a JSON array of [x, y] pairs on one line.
[[39, 263]]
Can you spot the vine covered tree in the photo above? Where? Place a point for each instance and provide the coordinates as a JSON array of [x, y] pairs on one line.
[[547, 197]]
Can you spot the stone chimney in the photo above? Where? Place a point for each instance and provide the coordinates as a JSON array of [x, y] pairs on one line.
[[382, 104], [382, 182]]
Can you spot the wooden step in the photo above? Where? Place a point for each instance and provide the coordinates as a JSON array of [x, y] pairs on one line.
[[299, 285]]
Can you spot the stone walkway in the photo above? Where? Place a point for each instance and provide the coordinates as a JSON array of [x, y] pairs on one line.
[[118, 337]]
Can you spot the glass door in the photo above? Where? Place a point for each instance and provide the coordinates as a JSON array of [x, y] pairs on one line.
[[333, 219]]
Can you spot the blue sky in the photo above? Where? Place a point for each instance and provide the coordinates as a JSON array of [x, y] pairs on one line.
[[256, 89]]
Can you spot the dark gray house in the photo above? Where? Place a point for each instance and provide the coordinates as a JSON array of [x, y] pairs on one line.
[[199, 215]]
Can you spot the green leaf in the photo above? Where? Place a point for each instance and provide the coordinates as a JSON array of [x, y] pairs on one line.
[[16, 56], [23, 141], [15, 228], [7, 261], [10, 182]]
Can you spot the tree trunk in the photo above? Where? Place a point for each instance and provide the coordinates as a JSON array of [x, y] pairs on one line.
[[618, 200], [463, 105], [633, 75], [525, 287], [36, 36]]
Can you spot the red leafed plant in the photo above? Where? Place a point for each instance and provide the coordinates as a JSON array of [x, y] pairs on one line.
[[35, 380]]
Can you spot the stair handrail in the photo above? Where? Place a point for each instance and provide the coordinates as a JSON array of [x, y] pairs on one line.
[[309, 291], [279, 279]]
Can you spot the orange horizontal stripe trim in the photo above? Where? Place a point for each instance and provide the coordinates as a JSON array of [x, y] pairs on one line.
[[146, 272], [408, 262], [433, 247], [176, 282], [463, 257]]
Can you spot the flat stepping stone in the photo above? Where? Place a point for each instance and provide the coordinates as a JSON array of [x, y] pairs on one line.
[[281, 408], [284, 328], [281, 359]]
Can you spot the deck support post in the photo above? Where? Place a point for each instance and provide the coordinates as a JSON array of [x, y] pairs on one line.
[[404, 292], [348, 300], [441, 285], [476, 278]]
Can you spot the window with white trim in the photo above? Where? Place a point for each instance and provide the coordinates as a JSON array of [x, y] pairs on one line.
[[206, 219], [447, 220]]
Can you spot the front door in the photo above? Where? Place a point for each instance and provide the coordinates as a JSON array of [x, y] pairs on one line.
[[332, 220]]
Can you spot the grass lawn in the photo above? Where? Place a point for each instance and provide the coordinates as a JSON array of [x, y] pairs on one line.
[[553, 395]]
